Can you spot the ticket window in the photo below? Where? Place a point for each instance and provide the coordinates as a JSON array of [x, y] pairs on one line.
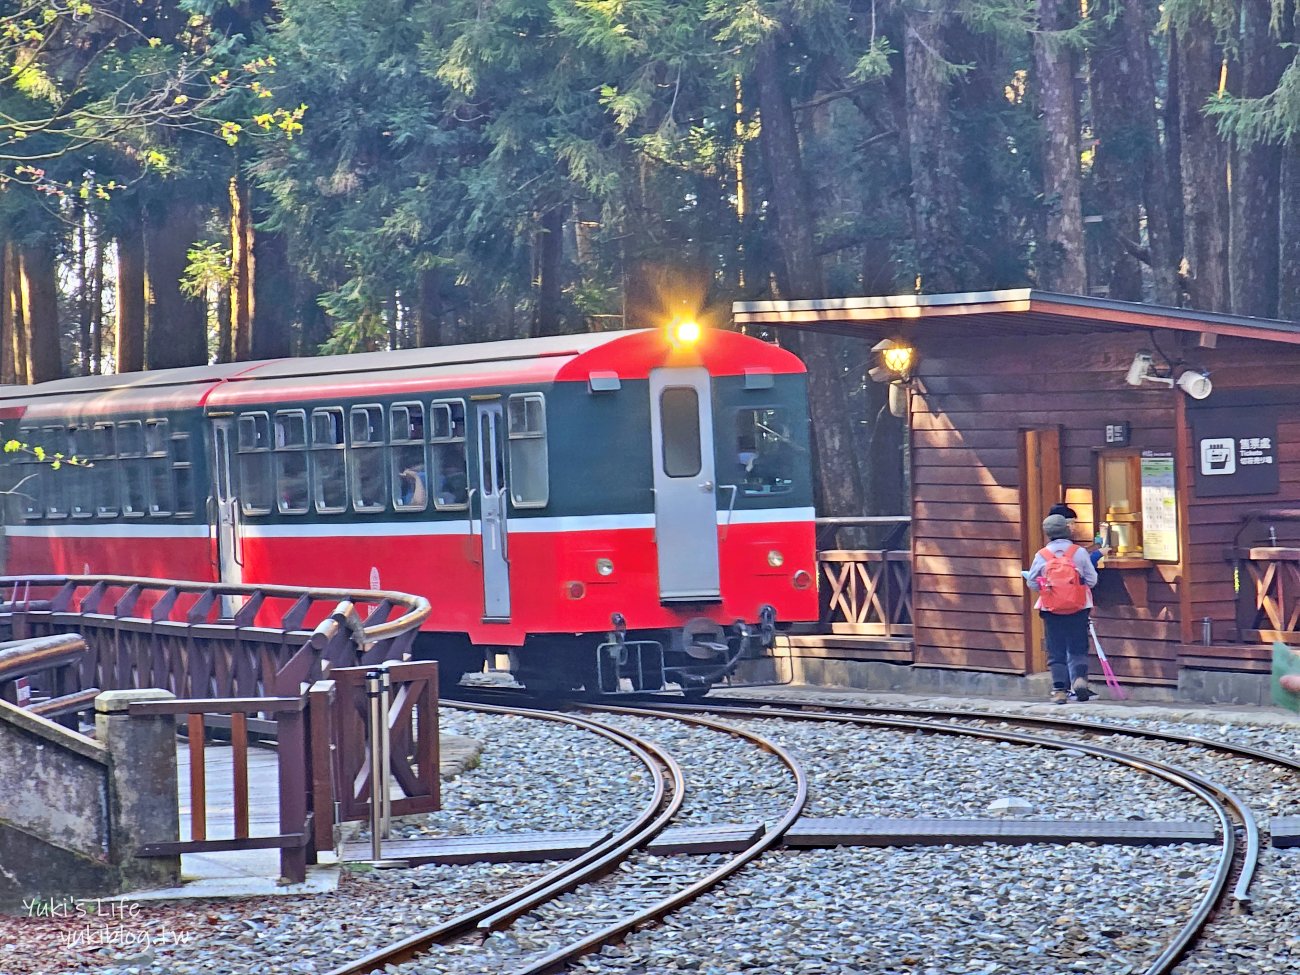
[[1119, 502]]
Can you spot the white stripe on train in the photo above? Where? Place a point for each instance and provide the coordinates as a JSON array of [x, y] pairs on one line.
[[574, 523]]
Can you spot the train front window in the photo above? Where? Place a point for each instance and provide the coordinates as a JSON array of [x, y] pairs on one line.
[[406, 457], [679, 407], [368, 481], [451, 482], [764, 451], [526, 425], [255, 477], [329, 475], [292, 493]]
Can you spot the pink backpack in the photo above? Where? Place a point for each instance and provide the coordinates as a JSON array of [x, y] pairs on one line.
[[1060, 588]]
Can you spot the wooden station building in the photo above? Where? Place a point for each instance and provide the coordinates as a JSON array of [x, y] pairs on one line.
[[1016, 400]]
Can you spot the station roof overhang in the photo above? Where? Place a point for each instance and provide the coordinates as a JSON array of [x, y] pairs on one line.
[[991, 314]]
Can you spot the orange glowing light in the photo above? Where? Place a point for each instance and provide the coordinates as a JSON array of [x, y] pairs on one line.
[[686, 332]]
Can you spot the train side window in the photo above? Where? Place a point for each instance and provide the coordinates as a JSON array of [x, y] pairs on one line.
[[447, 425], [679, 408], [764, 451], [366, 458], [103, 452], [54, 440], [293, 494], [183, 473], [162, 491], [406, 457], [526, 425], [131, 467], [26, 480], [329, 473], [254, 447], [81, 497]]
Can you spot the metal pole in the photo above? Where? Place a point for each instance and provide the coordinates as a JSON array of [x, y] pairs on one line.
[[385, 756], [377, 765]]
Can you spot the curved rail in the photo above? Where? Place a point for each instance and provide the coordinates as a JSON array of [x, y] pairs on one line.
[[669, 904], [1218, 798], [594, 862], [1241, 892]]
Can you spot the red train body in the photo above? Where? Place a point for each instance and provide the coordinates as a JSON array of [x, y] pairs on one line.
[[603, 506]]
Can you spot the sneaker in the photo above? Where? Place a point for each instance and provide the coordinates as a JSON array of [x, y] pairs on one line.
[[1081, 690], [1060, 696]]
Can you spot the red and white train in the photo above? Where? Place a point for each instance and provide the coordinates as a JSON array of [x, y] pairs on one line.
[[613, 505]]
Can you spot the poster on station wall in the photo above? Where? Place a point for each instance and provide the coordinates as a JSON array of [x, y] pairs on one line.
[[1159, 507]]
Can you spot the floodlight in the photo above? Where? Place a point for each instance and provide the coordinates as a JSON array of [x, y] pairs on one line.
[[1197, 385]]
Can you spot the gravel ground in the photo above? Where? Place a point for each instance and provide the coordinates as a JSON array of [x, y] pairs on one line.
[[1034, 910]]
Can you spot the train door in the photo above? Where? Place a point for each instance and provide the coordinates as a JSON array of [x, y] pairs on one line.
[[224, 512], [686, 508], [494, 525]]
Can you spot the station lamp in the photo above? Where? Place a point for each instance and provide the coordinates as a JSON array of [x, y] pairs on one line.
[[897, 360]]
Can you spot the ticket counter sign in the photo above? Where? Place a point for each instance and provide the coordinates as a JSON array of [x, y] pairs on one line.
[[1235, 450]]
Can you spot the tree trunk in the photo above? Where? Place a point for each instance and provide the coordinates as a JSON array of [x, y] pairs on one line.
[[934, 177], [1288, 274], [1061, 265], [1156, 197], [177, 326], [225, 337], [1205, 169], [97, 306], [550, 261], [41, 309], [1171, 119], [17, 312], [272, 296], [1256, 170], [8, 376], [84, 286], [1115, 167], [241, 271], [130, 299], [428, 308], [834, 450]]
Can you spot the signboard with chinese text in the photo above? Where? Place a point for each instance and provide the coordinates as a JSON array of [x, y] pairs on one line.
[[1159, 507], [1235, 450]]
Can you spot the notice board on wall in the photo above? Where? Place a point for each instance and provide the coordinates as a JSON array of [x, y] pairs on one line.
[[1159, 507]]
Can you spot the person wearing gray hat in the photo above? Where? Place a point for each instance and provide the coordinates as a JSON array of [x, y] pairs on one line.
[[1063, 575]]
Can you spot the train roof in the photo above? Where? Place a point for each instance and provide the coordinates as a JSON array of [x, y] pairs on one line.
[[629, 354]]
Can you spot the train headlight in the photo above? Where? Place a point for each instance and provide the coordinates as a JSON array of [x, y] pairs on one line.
[[775, 559], [801, 580], [685, 332], [604, 567]]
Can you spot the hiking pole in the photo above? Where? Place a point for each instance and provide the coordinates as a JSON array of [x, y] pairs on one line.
[[1111, 680]]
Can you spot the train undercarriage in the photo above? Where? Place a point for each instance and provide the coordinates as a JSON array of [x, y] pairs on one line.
[[692, 658]]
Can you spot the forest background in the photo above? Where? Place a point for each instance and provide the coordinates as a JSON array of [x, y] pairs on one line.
[[200, 181]]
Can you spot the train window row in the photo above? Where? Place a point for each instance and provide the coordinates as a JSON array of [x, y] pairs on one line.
[[368, 458], [139, 468]]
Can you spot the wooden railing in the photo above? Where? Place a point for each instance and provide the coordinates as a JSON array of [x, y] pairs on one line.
[[206, 640], [295, 841], [866, 591], [1268, 594]]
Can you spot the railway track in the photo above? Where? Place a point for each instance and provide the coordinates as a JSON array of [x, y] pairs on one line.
[[618, 888]]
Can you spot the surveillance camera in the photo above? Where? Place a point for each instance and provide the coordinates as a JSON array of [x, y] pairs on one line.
[[1197, 385], [1139, 369]]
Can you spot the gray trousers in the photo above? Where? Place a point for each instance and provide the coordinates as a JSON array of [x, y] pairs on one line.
[[1067, 646]]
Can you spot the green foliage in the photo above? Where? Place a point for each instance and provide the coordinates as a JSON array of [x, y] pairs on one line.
[[1271, 118]]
